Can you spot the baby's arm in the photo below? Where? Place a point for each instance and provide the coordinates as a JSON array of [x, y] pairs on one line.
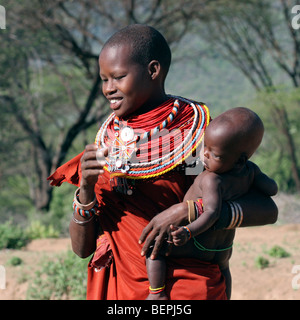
[[212, 201], [263, 183]]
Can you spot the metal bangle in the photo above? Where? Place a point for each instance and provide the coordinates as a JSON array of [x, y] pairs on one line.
[[82, 223]]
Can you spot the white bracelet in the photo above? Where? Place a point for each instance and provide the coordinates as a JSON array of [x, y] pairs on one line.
[[83, 206]]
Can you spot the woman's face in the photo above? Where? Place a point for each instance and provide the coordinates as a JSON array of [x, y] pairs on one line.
[[125, 83]]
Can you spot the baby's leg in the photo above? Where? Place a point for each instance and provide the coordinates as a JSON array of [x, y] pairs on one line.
[[227, 275], [156, 270]]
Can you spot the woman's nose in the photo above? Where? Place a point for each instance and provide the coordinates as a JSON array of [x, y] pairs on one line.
[[109, 87]]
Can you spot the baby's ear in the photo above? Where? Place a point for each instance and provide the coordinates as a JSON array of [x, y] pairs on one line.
[[242, 160], [154, 68]]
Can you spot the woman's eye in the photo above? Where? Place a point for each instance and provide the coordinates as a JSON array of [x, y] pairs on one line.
[[120, 77]]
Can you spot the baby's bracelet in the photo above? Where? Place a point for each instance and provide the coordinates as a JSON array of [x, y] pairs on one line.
[[188, 231], [191, 211], [195, 209], [85, 210], [156, 290]]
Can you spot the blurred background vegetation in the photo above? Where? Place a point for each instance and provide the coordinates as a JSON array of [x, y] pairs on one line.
[[226, 53]]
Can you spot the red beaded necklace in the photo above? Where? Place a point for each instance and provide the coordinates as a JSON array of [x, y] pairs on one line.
[[151, 144]]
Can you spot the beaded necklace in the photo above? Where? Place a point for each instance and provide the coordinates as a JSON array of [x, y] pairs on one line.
[[152, 132], [121, 162]]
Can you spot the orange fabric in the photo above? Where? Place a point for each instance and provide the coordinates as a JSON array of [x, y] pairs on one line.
[[122, 218]]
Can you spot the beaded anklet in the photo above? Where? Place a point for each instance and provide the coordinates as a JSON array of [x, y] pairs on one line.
[[156, 290]]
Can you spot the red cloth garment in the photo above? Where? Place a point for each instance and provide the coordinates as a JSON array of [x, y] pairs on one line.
[[103, 255], [122, 219]]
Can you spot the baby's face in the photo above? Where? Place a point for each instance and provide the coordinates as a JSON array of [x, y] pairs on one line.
[[218, 157], [124, 83]]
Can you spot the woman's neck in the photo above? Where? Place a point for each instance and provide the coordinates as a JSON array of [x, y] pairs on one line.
[[150, 105]]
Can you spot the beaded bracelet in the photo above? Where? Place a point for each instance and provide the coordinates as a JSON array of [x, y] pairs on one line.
[[199, 207], [236, 210], [188, 232], [85, 210], [156, 290]]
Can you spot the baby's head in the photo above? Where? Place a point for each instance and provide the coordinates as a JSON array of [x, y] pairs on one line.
[[134, 63], [231, 139]]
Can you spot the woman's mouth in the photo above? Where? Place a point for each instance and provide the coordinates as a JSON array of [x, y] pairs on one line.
[[115, 103]]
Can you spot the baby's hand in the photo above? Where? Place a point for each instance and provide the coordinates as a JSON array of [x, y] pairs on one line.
[[180, 236]]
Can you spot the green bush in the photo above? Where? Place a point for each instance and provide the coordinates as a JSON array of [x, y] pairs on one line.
[[62, 279], [37, 230], [261, 262], [15, 261], [12, 236], [278, 252]]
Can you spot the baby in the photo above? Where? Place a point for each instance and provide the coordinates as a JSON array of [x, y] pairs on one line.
[[229, 141]]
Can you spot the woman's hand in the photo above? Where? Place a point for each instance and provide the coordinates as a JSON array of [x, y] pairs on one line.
[[158, 229], [92, 163]]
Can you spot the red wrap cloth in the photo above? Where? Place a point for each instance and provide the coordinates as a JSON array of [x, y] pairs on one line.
[[123, 218]]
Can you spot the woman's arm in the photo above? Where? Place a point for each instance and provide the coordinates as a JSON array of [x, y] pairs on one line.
[[258, 209], [158, 228], [83, 235]]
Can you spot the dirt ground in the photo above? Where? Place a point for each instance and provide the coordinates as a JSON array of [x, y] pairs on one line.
[[279, 280], [249, 282]]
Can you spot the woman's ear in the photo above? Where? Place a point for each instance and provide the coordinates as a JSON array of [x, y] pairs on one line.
[[154, 69]]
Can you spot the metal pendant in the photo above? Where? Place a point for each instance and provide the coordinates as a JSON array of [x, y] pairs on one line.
[[120, 153]]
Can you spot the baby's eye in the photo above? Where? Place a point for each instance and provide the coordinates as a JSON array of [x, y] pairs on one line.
[[217, 157]]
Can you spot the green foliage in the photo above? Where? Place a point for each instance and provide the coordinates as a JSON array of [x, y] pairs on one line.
[[15, 261], [261, 262], [12, 236], [37, 230], [62, 279], [278, 252], [273, 156], [61, 208]]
